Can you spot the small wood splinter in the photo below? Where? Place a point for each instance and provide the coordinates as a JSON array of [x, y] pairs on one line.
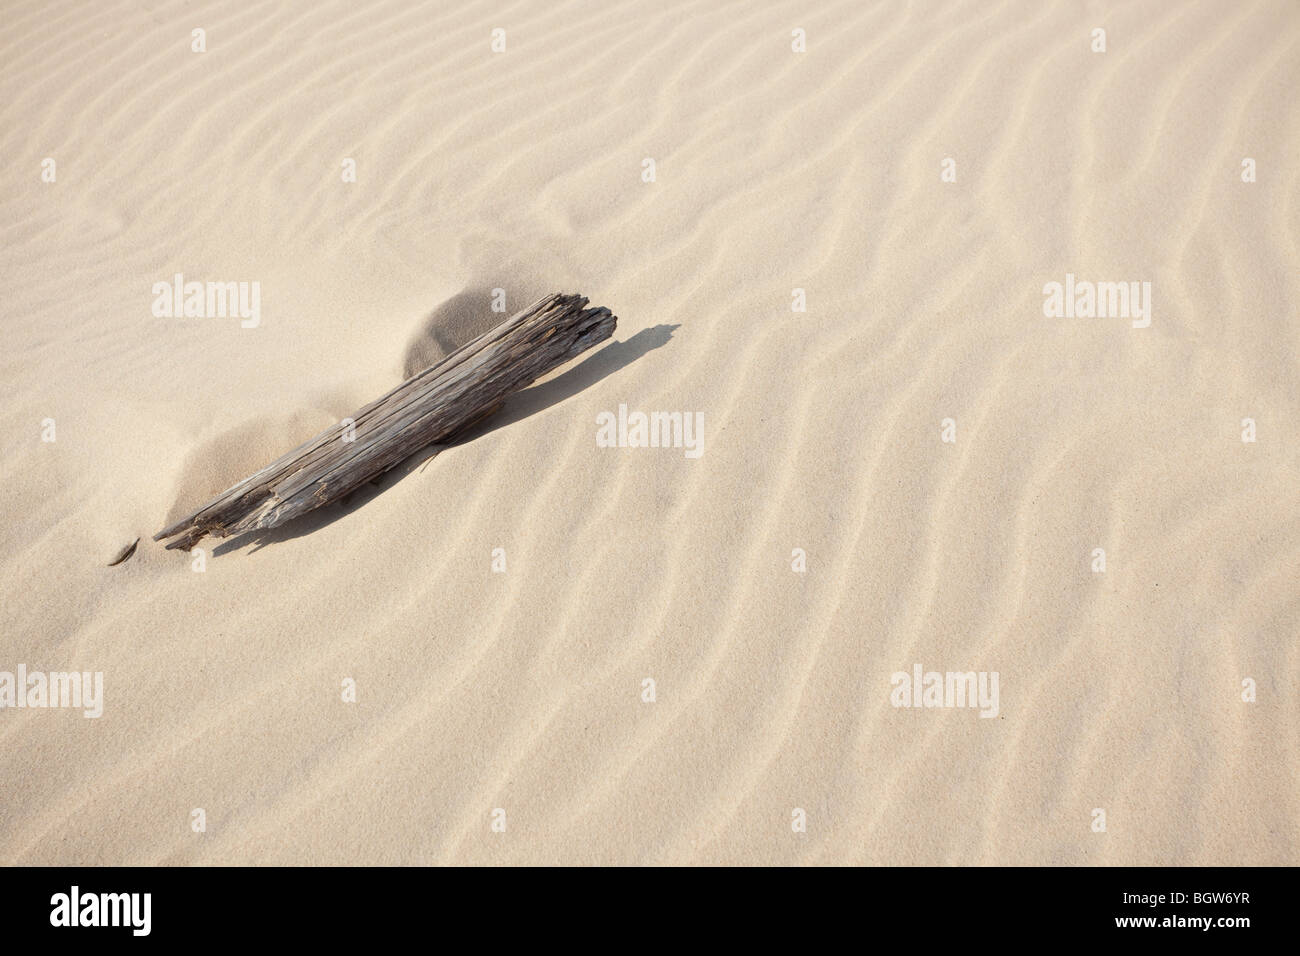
[[125, 553]]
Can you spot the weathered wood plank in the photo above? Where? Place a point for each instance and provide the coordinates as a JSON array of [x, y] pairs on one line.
[[432, 407]]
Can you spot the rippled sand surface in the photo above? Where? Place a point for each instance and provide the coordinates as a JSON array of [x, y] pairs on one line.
[[920, 172]]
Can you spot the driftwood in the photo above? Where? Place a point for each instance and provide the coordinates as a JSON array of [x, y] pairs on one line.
[[430, 408]]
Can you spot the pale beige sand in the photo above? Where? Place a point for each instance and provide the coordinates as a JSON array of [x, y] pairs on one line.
[[775, 170]]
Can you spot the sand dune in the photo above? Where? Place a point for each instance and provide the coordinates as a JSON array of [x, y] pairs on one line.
[[524, 170]]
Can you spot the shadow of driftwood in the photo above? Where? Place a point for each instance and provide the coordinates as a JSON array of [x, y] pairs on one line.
[[607, 361], [519, 406]]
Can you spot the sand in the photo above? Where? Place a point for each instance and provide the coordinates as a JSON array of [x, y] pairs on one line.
[[827, 538]]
